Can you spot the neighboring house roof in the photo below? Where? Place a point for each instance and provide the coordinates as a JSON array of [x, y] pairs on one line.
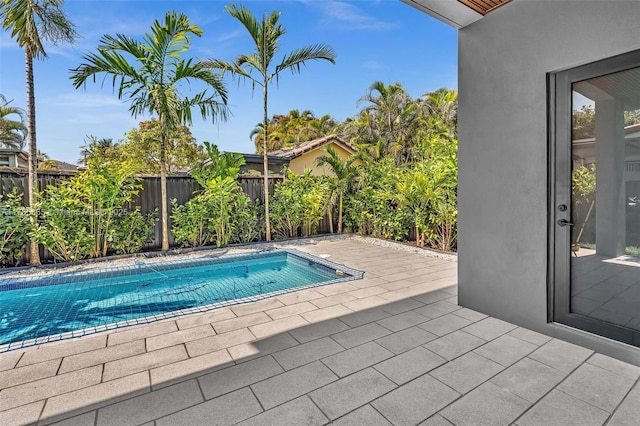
[[258, 158], [297, 150], [61, 165], [11, 151]]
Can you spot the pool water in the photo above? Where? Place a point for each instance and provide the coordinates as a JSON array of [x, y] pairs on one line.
[[34, 311]]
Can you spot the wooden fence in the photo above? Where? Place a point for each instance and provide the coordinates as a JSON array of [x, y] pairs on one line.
[[179, 186]]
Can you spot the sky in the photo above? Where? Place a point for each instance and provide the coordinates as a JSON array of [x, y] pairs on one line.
[[383, 40]]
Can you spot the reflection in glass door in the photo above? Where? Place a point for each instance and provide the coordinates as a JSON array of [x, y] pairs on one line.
[[597, 215]]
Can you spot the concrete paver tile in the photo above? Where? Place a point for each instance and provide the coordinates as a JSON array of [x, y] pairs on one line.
[[615, 366], [558, 408], [401, 321], [25, 414], [30, 373], [299, 412], [317, 330], [222, 411], [292, 384], [366, 303], [364, 317], [258, 306], [357, 358], [139, 332], [433, 296], [45, 388], [359, 335], [86, 419], [409, 338], [445, 324], [366, 415], [326, 313], [597, 386], [8, 360], [529, 379], [219, 341], [299, 296], [102, 355], [454, 344], [489, 328], [244, 321], [183, 370], [335, 299], [236, 377], [334, 289], [629, 411], [151, 405], [561, 355], [415, 401], [261, 347], [436, 420], [307, 352], [470, 314], [62, 349], [178, 337], [488, 404], [401, 306], [278, 326], [438, 309], [203, 318], [367, 291], [466, 372], [348, 393], [95, 396], [287, 311], [529, 336], [506, 350], [143, 362], [409, 365]]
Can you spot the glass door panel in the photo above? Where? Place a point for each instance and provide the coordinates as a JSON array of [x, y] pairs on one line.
[[597, 195]]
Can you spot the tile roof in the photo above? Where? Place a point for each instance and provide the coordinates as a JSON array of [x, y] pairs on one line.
[[297, 150]]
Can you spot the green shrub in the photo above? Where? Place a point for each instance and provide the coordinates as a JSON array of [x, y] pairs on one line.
[[14, 228], [132, 231]]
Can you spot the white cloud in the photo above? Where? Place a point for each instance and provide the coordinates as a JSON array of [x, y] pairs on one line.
[[349, 16]]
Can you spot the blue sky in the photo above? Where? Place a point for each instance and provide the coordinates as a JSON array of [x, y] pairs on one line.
[[374, 40]]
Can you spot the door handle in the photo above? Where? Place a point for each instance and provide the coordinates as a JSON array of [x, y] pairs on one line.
[[564, 222]]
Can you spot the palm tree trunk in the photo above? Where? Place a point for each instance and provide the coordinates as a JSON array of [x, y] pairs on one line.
[[34, 251], [340, 215], [265, 161], [330, 217], [163, 194]]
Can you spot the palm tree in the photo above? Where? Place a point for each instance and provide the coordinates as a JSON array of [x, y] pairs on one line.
[[151, 73], [343, 173], [94, 147], [31, 23], [12, 132], [266, 34]]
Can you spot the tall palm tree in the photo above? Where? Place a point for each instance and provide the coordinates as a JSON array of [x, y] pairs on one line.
[[33, 23], [94, 147], [343, 174], [151, 73], [266, 34], [13, 133]]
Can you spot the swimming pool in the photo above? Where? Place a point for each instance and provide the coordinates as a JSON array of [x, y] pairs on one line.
[[40, 309]]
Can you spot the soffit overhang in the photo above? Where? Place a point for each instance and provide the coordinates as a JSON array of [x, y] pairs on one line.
[[457, 13]]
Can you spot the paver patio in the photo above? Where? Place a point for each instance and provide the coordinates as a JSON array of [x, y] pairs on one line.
[[393, 348]]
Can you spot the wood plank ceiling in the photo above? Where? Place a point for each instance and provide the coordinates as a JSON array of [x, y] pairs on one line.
[[484, 6]]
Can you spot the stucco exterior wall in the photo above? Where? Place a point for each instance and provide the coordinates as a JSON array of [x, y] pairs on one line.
[[503, 62], [308, 160]]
